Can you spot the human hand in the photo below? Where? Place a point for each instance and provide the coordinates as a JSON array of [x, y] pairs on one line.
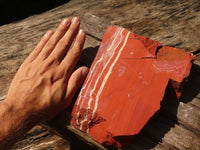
[[44, 84]]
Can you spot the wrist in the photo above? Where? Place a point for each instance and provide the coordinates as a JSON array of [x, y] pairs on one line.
[[18, 112], [15, 122]]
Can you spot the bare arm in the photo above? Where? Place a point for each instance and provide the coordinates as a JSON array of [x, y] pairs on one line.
[[44, 84]]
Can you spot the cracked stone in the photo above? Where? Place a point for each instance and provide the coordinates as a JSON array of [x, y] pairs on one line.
[[126, 84]]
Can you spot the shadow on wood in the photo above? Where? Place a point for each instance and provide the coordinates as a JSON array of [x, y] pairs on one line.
[[86, 59], [61, 123], [154, 130], [88, 56], [14, 10], [166, 117], [193, 86]]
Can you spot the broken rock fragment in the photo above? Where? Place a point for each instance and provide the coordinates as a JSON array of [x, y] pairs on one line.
[[126, 84]]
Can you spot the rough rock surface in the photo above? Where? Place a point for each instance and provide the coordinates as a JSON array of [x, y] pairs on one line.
[[126, 84]]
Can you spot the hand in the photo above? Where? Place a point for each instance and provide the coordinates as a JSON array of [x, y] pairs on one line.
[[44, 84]]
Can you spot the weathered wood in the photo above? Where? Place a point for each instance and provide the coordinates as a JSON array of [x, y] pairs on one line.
[[39, 138], [173, 23], [61, 126]]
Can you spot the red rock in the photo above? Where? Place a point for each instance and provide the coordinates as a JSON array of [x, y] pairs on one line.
[[126, 84]]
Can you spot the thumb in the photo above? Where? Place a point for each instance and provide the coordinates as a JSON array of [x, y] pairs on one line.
[[74, 83]]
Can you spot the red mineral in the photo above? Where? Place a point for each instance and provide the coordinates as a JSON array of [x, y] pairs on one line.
[[126, 84]]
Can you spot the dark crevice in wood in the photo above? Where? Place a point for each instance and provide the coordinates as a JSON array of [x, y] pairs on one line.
[[96, 38], [196, 52], [177, 45], [157, 19], [41, 136], [190, 128]]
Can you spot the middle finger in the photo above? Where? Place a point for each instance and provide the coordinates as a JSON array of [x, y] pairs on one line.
[[64, 44]]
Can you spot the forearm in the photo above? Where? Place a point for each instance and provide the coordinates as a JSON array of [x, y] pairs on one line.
[[14, 124], [45, 83]]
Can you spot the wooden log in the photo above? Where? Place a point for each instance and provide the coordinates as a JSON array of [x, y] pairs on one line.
[[11, 62], [172, 23], [62, 127], [40, 138]]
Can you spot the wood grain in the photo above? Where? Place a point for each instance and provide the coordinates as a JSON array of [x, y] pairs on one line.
[[173, 23]]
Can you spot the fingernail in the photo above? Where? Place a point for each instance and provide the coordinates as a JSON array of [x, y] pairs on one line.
[[81, 32], [48, 33], [65, 22], [75, 20], [85, 71]]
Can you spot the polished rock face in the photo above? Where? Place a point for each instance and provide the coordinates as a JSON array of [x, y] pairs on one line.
[[126, 84]]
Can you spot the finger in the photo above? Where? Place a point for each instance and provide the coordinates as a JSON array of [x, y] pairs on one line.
[[73, 55], [64, 44], [74, 83], [40, 46], [51, 44]]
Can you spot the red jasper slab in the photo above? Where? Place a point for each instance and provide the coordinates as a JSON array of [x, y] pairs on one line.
[[126, 84]]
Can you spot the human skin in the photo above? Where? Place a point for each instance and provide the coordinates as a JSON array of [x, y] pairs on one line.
[[44, 84]]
